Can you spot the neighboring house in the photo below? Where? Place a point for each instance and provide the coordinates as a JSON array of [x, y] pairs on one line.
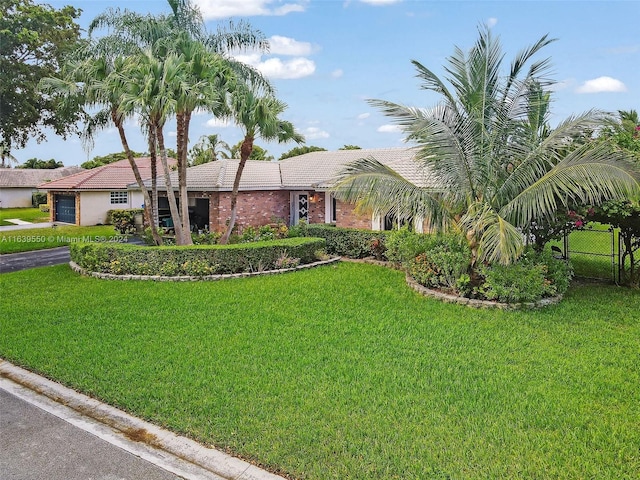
[[17, 185], [290, 190], [86, 197]]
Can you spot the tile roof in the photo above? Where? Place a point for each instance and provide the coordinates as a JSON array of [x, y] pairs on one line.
[[311, 170], [318, 169], [220, 175], [32, 177], [114, 176]]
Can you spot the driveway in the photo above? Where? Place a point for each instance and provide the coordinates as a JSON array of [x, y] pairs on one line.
[[12, 262]]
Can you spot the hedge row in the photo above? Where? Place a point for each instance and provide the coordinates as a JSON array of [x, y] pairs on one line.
[[349, 242], [197, 260]]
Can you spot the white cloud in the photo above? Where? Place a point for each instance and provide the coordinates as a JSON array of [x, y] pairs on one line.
[[290, 69], [389, 129], [245, 8], [492, 22], [314, 133], [288, 46], [217, 123], [337, 73], [362, 116], [275, 67], [602, 84]]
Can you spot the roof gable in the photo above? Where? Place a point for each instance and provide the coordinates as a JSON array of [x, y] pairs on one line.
[[114, 176]]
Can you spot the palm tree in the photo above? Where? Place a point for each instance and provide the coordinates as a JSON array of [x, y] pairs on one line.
[[148, 82], [96, 82], [257, 115], [204, 83], [489, 147], [209, 149]]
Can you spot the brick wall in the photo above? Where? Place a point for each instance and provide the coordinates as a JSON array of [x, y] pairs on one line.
[[255, 208], [346, 217]]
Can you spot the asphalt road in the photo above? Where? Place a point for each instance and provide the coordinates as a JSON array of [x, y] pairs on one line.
[[36, 445], [12, 262]]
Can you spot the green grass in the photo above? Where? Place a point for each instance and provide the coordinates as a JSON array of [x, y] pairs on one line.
[[24, 240], [33, 215], [343, 372]]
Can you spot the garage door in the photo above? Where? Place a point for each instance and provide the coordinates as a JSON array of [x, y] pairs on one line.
[[66, 208]]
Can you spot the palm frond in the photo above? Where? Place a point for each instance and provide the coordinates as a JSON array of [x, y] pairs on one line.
[[375, 187], [590, 174]]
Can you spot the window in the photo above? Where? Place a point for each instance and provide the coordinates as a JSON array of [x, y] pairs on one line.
[[118, 198], [331, 209]]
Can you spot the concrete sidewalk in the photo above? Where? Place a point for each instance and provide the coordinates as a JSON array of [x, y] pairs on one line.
[[158, 447]]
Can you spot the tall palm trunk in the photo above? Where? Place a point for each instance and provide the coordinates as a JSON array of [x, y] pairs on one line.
[[245, 152], [153, 154], [148, 212], [173, 206], [182, 121]]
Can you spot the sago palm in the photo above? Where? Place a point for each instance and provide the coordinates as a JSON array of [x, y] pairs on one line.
[[488, 147]]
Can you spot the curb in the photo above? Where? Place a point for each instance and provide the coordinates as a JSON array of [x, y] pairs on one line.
[[204, 463]]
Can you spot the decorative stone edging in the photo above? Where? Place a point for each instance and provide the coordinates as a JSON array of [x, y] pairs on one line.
[[449, 298], [474, 303], [194, 278]]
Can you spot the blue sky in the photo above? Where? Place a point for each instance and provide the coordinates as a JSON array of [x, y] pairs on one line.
[[329, 56]]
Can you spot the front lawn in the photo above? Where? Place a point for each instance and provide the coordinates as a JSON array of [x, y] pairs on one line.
[[343, 372], [33, 215], [25, 240]]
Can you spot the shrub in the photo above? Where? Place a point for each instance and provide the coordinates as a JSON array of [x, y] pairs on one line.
[[403, 245], [123, 220], [197, 260], [443, 263], [534, 276], [38, 198], [349, 242]]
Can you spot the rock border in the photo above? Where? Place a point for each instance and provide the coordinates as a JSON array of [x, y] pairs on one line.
[[195, 278], [469, 302]]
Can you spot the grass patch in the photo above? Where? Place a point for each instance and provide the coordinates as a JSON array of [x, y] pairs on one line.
[[344, 372], [25, 240], [33, 215]]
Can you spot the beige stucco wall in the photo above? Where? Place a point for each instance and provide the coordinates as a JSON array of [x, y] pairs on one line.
[[95, 205], [15, 197]]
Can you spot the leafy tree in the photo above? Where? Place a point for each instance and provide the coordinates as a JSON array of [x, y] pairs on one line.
[[7, 157], [486, 146], [296, 151], [99, 161], [258, 116], [350, 147], [34, 40], [209, 149], [624, 132], [257, 152], [42, 164]]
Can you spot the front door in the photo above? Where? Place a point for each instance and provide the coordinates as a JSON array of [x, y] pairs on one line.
[[300, 207]]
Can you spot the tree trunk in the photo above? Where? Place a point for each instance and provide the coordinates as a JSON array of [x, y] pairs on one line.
[[173, 206], [153, 154], [148, 213], [245, 152], [182, 121]]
